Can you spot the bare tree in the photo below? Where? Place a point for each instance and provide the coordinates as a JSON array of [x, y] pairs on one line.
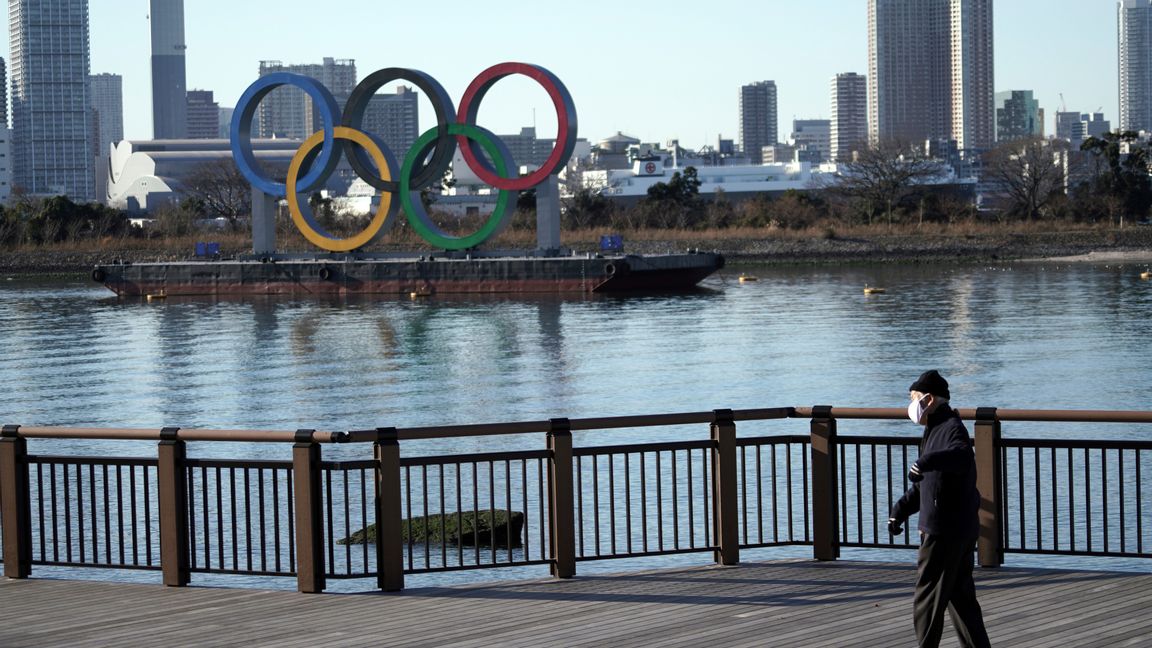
[[219, 189], [1028, 173], [882, 175]]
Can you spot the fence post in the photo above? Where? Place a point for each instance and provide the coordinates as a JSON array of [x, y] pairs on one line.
[[561, 516], [990, 548], [306, 475], [172, 486], [389, 515], [15, 503], [825, 487], [725, 511]]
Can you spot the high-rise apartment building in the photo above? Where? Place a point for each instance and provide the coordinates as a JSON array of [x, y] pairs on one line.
[[203, 115], [849, 128], [395, 119], [5, 137], [108, 109], [51, 105], [973, 95], [108, 124], [930, 73], [1018, 115], [287, 111], [169, 106], [1134, 34], [757, 119]]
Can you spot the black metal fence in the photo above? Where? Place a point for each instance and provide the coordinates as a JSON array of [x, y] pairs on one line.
[[384, 516]]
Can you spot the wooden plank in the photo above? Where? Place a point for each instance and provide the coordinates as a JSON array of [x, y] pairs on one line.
[[785, 603]]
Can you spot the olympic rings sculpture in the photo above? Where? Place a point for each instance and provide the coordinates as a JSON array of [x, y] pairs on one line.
[[423, 165]]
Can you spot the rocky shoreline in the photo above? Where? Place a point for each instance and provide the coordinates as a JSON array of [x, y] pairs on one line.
[[1130, 244]]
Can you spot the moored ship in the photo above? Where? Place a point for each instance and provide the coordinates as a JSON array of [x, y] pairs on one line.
[[422, 276]]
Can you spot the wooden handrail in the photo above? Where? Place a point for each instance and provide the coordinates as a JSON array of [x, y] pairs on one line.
[[578, 424]]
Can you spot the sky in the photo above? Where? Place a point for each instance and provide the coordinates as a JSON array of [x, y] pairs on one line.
[[653, 71]]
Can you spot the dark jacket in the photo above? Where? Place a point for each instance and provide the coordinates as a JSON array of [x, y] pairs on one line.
[[947, 499]]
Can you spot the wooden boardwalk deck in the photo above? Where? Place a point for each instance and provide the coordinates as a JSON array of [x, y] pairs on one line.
[[784, 603]]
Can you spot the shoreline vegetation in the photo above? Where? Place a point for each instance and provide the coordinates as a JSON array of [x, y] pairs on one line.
[[741, 246]]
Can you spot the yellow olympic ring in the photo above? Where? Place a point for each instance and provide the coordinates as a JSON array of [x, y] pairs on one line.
[[312, 230]]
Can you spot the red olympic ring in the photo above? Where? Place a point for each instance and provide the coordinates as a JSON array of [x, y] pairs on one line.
[[565, 125]]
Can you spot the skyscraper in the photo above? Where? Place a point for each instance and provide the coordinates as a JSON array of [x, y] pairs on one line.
[[1134, 34], [1017, 115], [169, 107], [108, 124], [51, 105], [395, 118], [757, 118], [973, 95], [849, 114], [930, 73], [908, 70], [203, 115], [287, 112], [108, 107]]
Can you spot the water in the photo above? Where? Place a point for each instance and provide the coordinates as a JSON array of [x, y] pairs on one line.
[[1026, 335], [1042, 335]]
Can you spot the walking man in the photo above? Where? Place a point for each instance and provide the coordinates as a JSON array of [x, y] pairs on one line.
[[944, 492]]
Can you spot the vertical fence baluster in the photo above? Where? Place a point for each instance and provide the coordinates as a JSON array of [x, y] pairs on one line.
[[15, 500], [1055, 507], [988, 472], [691, 527], [725, 506], [644, 500], [612, 501], [1088, 498], [596, 501], [563, 548], [309, 513], [825, 535], [759, 497], [172, 490], [389, 515], [628, 500], [706, 489]]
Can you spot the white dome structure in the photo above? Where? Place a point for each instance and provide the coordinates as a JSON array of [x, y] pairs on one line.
[[145, 174]]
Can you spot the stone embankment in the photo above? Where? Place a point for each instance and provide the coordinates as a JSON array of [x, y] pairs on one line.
[[1132, 242]]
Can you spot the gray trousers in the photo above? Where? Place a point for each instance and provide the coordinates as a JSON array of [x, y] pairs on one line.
[[944, 580]]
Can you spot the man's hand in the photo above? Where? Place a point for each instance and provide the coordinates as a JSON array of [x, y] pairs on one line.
[[894, 526], [914, 474]]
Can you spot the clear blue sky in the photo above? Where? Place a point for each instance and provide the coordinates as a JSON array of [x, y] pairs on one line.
[[653, 71]]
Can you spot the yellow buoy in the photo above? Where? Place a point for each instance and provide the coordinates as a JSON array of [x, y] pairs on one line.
[[872, 290], [745, 278], [159, 295], [1146, 275]]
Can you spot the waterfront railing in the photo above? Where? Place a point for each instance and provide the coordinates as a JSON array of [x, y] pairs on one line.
[[385, 515]]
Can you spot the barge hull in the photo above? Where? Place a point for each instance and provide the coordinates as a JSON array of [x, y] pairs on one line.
[[409, 276]]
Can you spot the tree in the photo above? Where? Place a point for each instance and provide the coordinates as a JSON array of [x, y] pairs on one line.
[[586, 209], [674, 204], [1027, 173], [1120, 170], [883, 175], [219, 189]]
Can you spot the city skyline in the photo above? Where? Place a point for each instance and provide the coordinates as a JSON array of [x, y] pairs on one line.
[[655, 76]]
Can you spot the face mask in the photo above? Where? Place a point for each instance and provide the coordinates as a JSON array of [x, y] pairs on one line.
[[916, 410]]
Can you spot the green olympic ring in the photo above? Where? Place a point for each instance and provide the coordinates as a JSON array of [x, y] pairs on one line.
[[414, 208]]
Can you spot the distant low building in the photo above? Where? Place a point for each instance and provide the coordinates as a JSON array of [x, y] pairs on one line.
[[144, 175]]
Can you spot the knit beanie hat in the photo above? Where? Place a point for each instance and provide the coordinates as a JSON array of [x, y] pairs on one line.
[[931, 382]]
